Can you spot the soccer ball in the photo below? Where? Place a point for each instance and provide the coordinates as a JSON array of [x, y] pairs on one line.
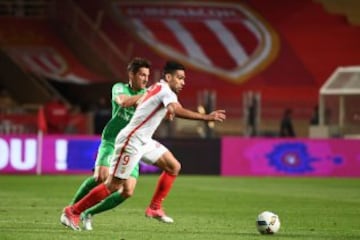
[[268, 223]]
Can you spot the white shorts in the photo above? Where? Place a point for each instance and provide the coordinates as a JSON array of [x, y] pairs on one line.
[[128, 153]]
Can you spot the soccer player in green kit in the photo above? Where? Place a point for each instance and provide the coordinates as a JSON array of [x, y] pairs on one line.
[[135, 141], [123, 96]]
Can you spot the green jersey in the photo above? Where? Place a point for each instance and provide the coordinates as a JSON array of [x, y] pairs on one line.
[[120, 116]]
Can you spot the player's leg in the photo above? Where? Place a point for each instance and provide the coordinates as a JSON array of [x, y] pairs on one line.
[[171, 168], [111, 201], [122, 164], [101, 171], [96, 195], [90, 182]]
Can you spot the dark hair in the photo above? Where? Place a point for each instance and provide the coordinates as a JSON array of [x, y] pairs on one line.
[[138, 63], [172, 66]]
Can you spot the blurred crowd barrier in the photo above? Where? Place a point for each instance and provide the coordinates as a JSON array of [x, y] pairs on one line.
[[26, 122]]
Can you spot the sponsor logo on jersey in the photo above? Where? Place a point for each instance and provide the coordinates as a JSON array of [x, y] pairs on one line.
[[226, 39]]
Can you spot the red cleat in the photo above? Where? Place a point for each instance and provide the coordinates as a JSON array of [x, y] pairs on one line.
[[158, 214], [70, 219]]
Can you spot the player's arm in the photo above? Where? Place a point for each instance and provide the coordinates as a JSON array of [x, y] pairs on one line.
[[127, 101], [179, 111]]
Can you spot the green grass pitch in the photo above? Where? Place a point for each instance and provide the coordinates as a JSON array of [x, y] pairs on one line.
[[204, 208]]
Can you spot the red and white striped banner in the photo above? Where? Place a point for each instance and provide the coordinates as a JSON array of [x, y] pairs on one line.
[[225, 39]]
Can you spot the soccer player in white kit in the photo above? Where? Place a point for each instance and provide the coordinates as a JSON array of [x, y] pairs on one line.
[[135, 141]]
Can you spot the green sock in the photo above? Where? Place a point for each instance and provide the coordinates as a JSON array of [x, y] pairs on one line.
[[108, 203], [84, 188]]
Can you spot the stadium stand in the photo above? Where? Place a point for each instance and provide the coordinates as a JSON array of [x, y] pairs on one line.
[[349, 8], [34, 45], [227, 54], [33, 58], [304, 60]]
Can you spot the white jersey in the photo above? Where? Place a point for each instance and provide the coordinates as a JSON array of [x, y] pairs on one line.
[[150, 112]]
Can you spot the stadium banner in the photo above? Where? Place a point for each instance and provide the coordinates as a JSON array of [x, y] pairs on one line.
[[290, 157], [52, 154], [18, 154], [196, 155]]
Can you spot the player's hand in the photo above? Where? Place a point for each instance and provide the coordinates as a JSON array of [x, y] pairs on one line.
[[169, 116], [217, 115]]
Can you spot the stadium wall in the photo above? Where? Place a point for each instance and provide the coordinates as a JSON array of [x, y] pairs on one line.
[[71, 154], [290, 157], [228, 156]]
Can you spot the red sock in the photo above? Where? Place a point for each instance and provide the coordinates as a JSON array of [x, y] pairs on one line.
[[162, 189], [93, 197]]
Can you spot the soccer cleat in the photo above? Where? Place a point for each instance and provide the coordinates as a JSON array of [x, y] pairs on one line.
[[64, 220], [87, 222], [69, 219], [158, 214]]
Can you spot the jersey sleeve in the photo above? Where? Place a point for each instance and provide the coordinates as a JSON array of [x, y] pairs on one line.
[[117, 89], [169, 97]]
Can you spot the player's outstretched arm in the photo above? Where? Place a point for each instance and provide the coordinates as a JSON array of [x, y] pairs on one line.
[[217, 115], [127, 101]]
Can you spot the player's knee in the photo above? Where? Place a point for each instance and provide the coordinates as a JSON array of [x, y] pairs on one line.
[[127, 193], [168, 163], [101, 174], [175, 168], [101, 178], [114, 184]]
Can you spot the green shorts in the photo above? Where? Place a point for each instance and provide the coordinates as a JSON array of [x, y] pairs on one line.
[[105, 152]]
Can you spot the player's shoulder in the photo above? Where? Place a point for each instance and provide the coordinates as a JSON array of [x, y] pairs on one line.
[[165, 87], [120, 87], [120, 84]]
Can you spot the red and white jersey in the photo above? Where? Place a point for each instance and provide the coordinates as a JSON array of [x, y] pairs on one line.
[[150, 112]]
